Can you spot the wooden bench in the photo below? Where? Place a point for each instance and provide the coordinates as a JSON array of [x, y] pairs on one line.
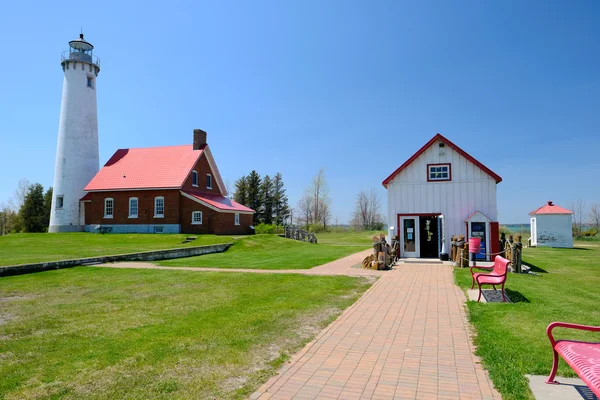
[[496, 276], [582, 357]]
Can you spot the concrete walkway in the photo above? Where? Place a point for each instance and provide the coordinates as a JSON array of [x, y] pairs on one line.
[[406, 338], [343, 266]]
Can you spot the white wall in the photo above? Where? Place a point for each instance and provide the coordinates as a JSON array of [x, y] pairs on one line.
[[554, 230], [470, 190], [77, 159]]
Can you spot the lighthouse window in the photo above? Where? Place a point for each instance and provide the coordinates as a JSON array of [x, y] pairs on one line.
[[109, 206], [90, 82], [159, 207], [59, 201]]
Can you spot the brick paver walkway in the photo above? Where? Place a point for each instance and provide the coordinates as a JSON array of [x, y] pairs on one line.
[[406, 338]]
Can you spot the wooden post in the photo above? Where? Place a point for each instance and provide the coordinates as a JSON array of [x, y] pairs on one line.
[[465, 258]]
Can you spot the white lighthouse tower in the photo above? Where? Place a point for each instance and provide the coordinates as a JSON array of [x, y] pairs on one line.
[[77, 159]]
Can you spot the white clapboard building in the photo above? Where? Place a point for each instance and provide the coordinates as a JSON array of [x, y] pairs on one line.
[[438, 192]]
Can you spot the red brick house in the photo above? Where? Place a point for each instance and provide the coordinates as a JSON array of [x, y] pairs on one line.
[[173, 189]]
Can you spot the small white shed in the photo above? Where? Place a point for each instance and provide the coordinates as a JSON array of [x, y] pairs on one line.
[[552, 226]]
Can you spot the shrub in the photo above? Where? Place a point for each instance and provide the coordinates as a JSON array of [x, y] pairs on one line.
[[316, 228], [264, 229], [590, 232]]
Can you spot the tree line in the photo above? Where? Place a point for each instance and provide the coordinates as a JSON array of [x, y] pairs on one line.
[[314, 207], [28, 210], [264, 195], [581, 217]]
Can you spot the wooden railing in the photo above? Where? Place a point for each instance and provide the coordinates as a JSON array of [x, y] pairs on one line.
[[292, 232]]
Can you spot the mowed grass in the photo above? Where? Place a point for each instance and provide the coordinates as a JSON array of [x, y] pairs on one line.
[[349, 238], [269, 252], [511, 338], [26, 248], [101, 333]]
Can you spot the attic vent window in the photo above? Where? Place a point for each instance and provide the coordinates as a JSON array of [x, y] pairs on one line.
[[439, 172]]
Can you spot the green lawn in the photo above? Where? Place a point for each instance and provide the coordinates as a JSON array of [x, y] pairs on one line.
[[26, 248], [98, 333], [269, 252], [511, 338], [349, 238]]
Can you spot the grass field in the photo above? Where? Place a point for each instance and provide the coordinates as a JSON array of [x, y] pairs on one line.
[[273, 252], [98, 333], [511, 338], [26, 248]]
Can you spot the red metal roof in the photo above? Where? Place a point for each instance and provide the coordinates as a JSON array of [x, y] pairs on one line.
[[550, 208], [488, 171], [146, 168], [215, 201], [473, 214]]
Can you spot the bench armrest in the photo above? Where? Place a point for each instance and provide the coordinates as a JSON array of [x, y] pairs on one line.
[[486, 268], [570, 326]]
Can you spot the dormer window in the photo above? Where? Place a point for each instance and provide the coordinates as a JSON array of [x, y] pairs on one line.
[[439, 172], [208, 181], [195, 178]]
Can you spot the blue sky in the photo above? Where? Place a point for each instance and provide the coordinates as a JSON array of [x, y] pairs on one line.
[[354, 87]]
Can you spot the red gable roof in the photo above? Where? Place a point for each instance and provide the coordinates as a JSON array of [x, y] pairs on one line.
[[550, 208], [145, 168], [485, 169], [216, 202]]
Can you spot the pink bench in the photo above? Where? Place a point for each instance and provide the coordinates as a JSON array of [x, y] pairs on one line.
[[496, 276], [582, 357]]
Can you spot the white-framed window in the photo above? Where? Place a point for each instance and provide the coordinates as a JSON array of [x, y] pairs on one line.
[[439, 172], [197, 218], [208, 181], [133, 207], [60, 201], [237, 218], [90, 81], [109, 207], [159, 207], [194, 178]]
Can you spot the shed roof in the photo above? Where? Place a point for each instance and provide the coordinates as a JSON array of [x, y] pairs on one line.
[[439, 136], [550, 208]]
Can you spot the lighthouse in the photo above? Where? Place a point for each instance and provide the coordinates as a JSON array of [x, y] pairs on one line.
[[77, 158]]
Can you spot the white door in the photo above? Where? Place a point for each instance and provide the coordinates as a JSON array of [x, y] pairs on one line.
[[409, 237], [533, 232]]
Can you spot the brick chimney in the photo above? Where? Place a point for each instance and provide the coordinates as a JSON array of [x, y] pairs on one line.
[[199, 138]]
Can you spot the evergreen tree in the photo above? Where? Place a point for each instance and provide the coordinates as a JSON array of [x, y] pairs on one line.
[[281, 209], [32, 210], [47, 206], [241, 191], [266, 197], [253, 199]]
